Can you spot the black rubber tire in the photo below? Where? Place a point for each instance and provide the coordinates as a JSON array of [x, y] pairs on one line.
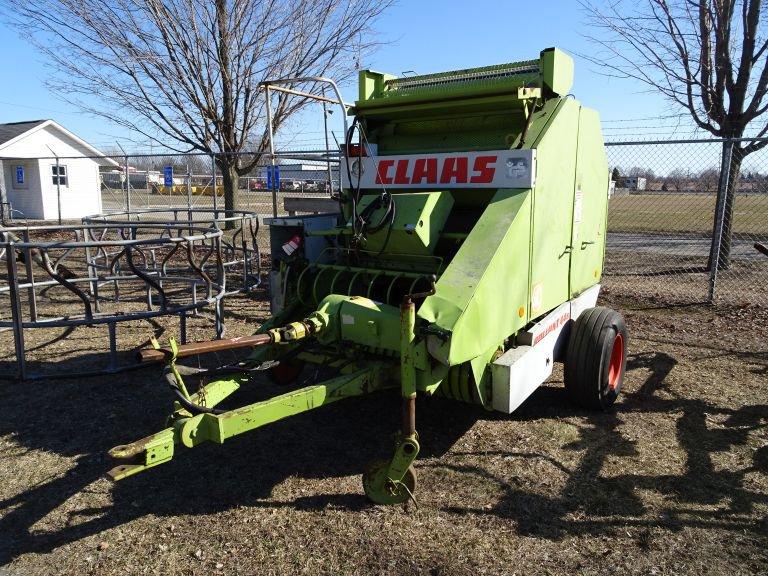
[[594, 372]]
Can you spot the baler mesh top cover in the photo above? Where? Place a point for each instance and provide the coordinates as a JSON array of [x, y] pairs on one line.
[[486, 76]]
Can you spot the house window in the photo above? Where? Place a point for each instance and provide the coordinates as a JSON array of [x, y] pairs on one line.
[[59, 175]]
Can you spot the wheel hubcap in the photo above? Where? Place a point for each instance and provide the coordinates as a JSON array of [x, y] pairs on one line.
[[617, 361]]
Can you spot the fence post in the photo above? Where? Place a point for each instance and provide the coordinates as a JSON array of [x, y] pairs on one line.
[[271, 148], [720, 207], [189, 197], [274, 195], [58, 187], [127, 189], [213, 180], [16, 313]]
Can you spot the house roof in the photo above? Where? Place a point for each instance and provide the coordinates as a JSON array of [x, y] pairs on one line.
[[12, 132]]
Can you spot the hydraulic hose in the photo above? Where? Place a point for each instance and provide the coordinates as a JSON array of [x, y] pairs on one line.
[[361, 224], [170, 378]]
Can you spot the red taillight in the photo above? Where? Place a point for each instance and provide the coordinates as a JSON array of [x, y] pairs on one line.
[[356, 150]]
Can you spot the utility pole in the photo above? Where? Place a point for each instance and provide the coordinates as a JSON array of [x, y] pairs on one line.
[[326, 112]]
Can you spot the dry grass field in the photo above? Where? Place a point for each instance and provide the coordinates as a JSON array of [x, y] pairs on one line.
[[673, 480], [685, 213]]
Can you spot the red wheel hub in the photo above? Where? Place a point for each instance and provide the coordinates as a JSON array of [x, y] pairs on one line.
[[286, 372], [617, 361]]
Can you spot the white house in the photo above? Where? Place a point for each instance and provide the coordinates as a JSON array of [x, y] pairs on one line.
[[632, 182], [44, 169]]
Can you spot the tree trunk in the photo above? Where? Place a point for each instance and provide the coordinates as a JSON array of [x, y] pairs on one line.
[[727, 195], [229, 178]]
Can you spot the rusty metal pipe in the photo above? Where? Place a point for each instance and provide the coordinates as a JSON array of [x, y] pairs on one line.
[[303, 94], [409, 416], [151, 355]]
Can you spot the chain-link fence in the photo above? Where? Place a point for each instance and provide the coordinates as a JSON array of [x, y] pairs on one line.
[[156, 182], [675, 213]]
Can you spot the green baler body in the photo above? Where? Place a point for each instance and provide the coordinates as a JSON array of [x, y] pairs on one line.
[[500, 189], [521, 251]]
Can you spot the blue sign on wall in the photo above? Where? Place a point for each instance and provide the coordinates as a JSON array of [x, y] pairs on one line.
[[273, 177], [168, 176], [19, 174]]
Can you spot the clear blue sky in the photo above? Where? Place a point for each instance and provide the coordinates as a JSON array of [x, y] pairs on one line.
[[420, 35]]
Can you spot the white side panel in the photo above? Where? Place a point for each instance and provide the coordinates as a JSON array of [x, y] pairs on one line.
[[519, 371], [550, 323]]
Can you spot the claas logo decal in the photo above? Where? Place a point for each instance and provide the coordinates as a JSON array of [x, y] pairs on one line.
[[489, 169], [450, 170]]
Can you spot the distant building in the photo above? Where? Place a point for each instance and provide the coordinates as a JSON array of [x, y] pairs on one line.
[[32, 181], [631, 182]]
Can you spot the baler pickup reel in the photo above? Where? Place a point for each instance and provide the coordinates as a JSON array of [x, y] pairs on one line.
[[465, 259]]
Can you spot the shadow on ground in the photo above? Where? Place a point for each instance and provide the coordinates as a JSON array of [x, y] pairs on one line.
[[616, 497], [84, 418]]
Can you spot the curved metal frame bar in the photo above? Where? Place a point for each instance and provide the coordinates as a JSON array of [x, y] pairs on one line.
[[100, 265], [237, 253]]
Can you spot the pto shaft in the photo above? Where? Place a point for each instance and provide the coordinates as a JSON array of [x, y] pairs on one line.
[[161, 354]]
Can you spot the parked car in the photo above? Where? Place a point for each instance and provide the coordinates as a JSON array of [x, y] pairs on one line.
[[291, 185]]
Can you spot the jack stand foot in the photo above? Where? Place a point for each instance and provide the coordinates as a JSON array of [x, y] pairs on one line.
[[394, 481], [381, 489]]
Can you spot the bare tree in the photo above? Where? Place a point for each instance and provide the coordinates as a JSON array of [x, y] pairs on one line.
[[641, 172], [196, 163], [678, 179], [709, 57], [186, 73], [708, 179]]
